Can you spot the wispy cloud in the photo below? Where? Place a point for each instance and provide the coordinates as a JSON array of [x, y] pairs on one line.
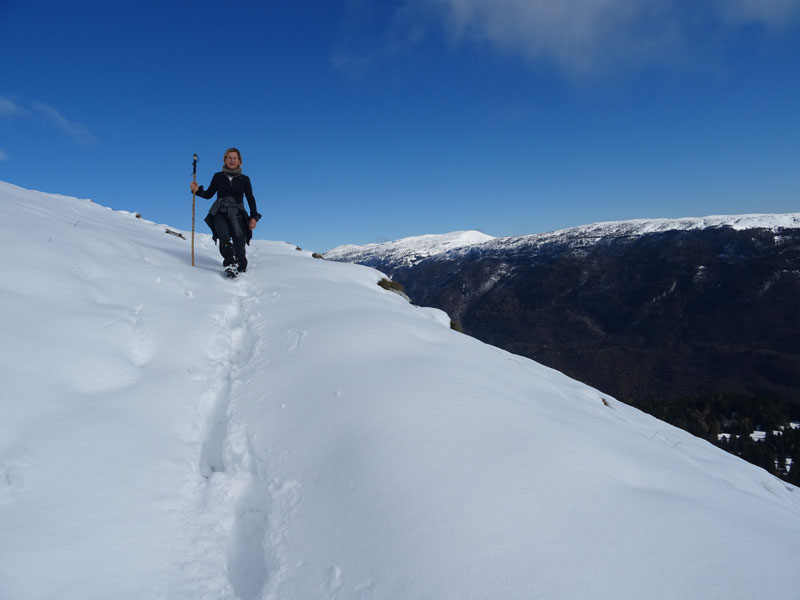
[[79, 132], [372, 32], [9, 108], [3, 155]]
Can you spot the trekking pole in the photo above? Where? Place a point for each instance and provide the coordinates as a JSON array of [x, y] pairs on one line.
[[194, 180]]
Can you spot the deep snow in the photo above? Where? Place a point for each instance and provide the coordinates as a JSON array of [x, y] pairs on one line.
[[302, 433]]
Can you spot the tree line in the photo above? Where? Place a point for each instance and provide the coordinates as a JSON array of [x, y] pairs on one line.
[[739, 416]]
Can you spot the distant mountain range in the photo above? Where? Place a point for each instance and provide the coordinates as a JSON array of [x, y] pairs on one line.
[[645, 310]]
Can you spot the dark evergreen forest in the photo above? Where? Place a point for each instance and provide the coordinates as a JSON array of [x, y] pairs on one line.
[[739, 415]]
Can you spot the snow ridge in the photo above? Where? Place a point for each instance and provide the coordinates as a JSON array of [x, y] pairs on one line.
[[586, 235], [409, 251]]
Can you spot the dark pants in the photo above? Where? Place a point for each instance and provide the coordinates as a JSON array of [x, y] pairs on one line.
[[231, 248]]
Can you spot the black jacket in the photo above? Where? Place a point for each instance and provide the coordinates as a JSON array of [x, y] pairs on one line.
[[229, 192]]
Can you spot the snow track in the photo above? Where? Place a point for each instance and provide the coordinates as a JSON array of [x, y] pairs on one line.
[[245, 510], [233, 495]]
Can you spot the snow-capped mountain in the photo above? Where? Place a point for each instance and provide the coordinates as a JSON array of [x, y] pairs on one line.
[[594, 233], [301, 433], [408, 251]]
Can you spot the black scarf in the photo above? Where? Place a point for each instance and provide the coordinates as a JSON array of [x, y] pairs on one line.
[[232, 172]]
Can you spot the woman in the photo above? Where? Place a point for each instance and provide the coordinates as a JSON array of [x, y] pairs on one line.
[[227, 218]]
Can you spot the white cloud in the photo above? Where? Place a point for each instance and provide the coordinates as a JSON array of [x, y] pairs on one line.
[[773, 14], [585, 36]]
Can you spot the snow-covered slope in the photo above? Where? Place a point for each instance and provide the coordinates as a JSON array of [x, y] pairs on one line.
[[409, 251], [301, 433]]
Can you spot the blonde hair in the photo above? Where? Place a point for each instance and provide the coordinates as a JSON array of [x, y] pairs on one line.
[[228, 151]]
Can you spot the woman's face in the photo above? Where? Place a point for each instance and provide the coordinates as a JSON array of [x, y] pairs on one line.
[[232, 160]]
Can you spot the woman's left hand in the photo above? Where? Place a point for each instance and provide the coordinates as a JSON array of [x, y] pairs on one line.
[[252, 224]]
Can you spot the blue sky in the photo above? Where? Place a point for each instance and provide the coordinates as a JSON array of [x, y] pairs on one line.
[[361, 120]]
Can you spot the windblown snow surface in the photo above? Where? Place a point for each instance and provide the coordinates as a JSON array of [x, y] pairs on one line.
[[301, 433]]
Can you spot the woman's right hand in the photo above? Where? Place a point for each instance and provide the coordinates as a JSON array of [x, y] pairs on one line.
[[194, 186]]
